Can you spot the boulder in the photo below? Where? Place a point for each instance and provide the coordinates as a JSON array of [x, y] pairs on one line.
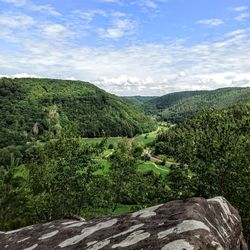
[[191, 224]]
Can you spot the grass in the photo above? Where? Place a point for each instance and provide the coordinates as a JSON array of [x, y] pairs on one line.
[[143, 139], [146, 139], [143, 167], [147, 166], [104, 167], [110, 140], [106, 153], [124, 209], [120, 210]]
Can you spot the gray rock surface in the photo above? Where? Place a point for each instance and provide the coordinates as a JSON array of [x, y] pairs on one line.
[[192, 224]]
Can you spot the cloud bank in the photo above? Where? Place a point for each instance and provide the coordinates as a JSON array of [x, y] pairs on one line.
[[49, 48]]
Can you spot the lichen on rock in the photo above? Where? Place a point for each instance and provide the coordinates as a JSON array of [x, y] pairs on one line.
[[193, 224]]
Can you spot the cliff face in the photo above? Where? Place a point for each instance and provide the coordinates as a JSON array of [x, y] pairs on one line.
[[177, 225]]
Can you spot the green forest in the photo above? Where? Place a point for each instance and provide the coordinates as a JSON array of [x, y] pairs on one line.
[[39, 108], [69, 148], [176, 107], [215, 147]]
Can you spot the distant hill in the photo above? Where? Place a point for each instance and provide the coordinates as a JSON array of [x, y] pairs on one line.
[[36, 108], [176, 107], [138, 101]]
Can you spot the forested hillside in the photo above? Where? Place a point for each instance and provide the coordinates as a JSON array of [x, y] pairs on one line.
[[58, 173], [176, 107], [39, 108], [138, 101], [215, 147]]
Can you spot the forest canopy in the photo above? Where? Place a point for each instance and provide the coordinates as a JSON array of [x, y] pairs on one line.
[[38, 108], [176, 107]]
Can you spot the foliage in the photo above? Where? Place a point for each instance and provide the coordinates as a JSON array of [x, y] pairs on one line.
[[14, 196], [60, 178], [216, 148], [123, 171], [34, 109], [64, 176], [48, 169], [137, 101], [176, 107]]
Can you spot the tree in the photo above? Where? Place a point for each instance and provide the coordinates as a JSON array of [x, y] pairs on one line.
[[179, 182], [14, 211], [123, 170], [216, 147], [60, 184]]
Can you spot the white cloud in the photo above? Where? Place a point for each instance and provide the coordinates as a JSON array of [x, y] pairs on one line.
[[152, 69], [120, 28], [20, 21], [47, 9], [21, 75], [145, 5], [150, 4], [149, 69], [242, 16], [211, 22], [48, 49], [54, 30], [239, 8], [89, 15], [16, 2], [236, 33]]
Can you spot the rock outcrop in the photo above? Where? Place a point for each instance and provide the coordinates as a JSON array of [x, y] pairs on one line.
[[192, 224]]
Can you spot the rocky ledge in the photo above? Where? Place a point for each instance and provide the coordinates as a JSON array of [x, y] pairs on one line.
[[192, 224]]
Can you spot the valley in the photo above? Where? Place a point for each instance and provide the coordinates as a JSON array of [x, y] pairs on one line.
[[148, 162], [70, 148]]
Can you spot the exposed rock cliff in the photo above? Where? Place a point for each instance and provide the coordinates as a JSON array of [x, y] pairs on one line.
[[191, 225]]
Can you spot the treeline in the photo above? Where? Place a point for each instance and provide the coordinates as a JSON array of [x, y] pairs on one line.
[[48, 181], [43, 181], [159, 104], [37, 109], [176, 107], [138, 101], [215, 147]]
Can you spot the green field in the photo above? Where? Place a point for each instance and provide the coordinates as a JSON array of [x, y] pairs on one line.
[[143, 139], [120, 210], [104, 167], [143, 167], [110, 140], [147, 166], [146, 139]]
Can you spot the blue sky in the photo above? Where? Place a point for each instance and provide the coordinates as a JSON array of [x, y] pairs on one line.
[[137, 47]]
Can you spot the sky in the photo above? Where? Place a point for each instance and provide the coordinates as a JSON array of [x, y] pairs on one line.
[[137, 47]]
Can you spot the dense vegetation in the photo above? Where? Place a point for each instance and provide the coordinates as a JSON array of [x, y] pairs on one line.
[[138, 101], [215, 146], [38, 108], [48, 170], [158, 104], [176, 107], [40, 182]]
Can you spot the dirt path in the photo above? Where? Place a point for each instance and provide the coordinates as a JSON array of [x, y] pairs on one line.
[[155, 158], [130, 140], [165, 170]]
